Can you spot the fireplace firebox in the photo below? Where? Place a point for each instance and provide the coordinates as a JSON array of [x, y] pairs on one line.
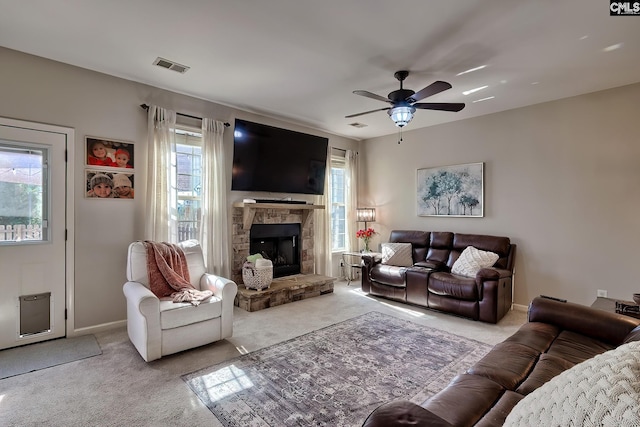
[[280, 243]]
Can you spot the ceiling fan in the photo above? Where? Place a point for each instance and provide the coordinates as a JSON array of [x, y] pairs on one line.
[[405, 101]]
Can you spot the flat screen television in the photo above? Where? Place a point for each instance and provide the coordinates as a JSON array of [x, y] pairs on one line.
[[271, 159]]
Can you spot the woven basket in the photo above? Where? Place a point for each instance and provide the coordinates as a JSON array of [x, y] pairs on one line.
[[257, 278]]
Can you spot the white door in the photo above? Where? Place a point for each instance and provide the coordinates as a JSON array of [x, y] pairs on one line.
[[33, 200]]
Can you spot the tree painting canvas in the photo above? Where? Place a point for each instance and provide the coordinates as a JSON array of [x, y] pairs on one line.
[[454, 191]]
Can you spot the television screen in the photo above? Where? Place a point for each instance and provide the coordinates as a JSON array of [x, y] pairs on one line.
[[270, 159]]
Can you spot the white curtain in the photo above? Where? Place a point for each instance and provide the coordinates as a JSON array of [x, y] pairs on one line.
[[322, 225], [351, 198], [161, 182], [214, 233]]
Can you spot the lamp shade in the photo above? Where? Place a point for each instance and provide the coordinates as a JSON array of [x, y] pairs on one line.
[[401, 116], [365, 214]]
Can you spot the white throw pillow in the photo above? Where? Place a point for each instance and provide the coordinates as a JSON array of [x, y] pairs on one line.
[[601, 391], [398, 254], [471, 260]]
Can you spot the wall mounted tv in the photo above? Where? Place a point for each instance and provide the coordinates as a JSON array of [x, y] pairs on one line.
[[270, 159]]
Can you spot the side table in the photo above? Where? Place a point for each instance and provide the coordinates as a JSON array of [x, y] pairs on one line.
[[352, 263], [609, 304]]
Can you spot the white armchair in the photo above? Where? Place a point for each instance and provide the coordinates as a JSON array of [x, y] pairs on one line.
[[157, 327]]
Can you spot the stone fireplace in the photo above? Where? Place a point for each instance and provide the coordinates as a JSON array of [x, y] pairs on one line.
[[245, 216]]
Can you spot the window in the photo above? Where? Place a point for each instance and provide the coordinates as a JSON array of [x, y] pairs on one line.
[[188, 183], [338, 204], [23, 185]]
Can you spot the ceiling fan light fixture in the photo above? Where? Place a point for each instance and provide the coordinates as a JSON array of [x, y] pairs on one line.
[[401, 115], [405, 101]]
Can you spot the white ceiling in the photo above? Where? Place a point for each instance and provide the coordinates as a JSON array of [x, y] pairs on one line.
[[300, 60]]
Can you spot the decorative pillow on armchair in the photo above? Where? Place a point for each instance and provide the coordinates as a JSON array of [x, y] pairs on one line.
[[471, 260], [398, 254], [601, 391]]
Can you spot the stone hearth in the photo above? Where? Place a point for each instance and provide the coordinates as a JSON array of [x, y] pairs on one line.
[[283, 291]]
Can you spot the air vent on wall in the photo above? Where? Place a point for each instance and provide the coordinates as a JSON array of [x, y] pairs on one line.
[[170, 65], [358, 125]]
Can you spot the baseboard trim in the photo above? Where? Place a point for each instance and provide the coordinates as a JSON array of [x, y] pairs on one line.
[[97, 328], [120, 323], [520, 307]]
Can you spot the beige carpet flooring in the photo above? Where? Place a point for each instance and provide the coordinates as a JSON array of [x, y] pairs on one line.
[[117, 388]]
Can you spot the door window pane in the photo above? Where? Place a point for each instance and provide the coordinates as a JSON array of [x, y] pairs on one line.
[[23, 183]]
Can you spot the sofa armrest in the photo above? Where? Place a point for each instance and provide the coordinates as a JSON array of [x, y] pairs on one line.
[[493, 273], [142, 298], [221, 287], [143, 320], [602, 325], [490, 279], [226, 290], [434, 265], [403, 413], [370, 260]]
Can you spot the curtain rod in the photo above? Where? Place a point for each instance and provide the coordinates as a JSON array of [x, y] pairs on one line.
[[146, 107]]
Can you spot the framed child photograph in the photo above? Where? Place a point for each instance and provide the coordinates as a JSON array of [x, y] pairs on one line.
[[109, 152], [101, 184]]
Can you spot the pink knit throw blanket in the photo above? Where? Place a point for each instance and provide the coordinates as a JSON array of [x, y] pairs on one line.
[[169, 274]]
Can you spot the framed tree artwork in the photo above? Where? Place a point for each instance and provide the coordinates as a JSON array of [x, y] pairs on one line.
[[451, 191]]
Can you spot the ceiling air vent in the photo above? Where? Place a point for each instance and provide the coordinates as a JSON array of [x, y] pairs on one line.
[[170, 65], [358, 125]]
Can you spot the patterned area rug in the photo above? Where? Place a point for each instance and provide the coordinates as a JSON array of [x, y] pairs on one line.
[[334, 376]]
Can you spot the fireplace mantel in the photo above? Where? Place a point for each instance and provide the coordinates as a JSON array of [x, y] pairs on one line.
[[249, 210]]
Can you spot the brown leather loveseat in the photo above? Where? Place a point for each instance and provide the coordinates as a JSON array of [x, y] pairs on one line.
[[559, 336], [429, 282]]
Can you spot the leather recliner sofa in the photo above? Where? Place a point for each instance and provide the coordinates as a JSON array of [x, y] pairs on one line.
[[430, 283], [558, 336]]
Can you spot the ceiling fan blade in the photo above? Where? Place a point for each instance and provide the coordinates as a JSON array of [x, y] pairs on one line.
[[434, 88], [442, 106], [366, 112], [371, 95]]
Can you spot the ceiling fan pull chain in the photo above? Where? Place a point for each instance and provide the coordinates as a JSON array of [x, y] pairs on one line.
[[400, 140]]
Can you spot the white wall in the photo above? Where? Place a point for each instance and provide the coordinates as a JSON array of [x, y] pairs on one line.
[[94, 104], [562, 180]]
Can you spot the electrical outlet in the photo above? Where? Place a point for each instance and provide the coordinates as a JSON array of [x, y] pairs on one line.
[[602, 293]]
